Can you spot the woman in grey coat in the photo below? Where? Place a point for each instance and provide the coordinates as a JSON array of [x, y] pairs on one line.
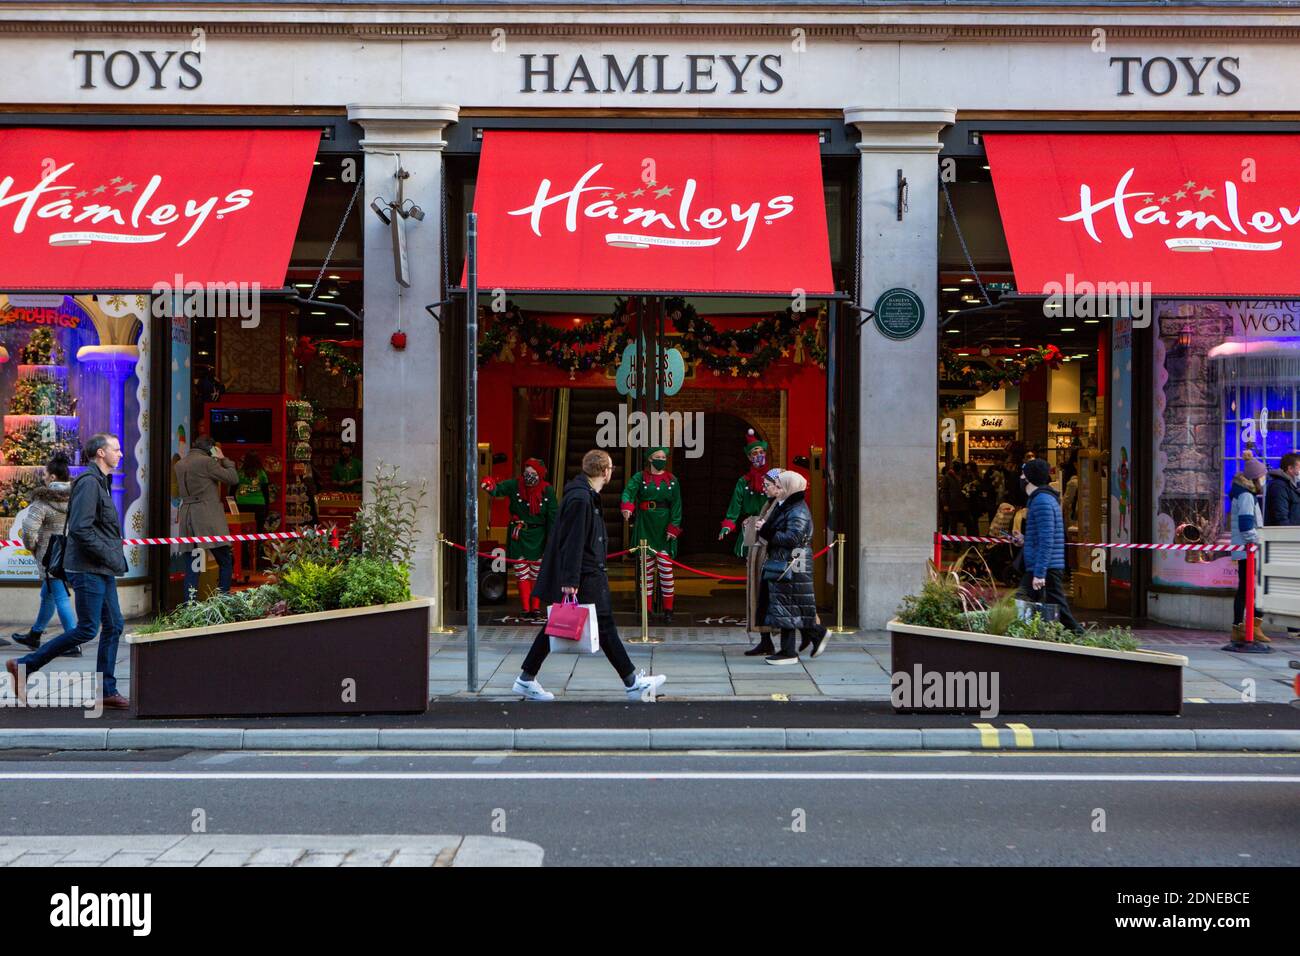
[[755, 555], [791, 602], [44, 518]]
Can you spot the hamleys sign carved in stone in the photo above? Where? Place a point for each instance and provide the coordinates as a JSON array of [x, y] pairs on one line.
[[652, 212], [1191, 214], [82, 209]]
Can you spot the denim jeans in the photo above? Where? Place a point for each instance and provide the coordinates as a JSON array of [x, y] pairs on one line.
[[54, 595], [225, 559], [97, 605]]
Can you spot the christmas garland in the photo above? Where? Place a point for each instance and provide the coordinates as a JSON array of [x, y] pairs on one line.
[[600, 343], [597, 344], [336, 362], [751, 350], [958, 371]]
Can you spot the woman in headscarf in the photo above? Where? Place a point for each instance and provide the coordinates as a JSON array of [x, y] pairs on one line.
[[755, 598], [787, 572]]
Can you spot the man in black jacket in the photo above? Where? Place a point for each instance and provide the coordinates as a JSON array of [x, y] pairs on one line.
[[93, 559], [574, 564], [1281, 496]]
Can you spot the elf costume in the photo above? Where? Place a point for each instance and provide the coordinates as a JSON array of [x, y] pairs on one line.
[[655, 496], [532, 512], [748, 498]]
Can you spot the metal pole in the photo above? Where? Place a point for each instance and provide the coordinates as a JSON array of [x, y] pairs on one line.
[[839, 627], [645, 624], [439, 587], [471, 453]]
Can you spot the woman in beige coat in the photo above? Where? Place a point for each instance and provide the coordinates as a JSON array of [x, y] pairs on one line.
[[755, 555], [199, 477]]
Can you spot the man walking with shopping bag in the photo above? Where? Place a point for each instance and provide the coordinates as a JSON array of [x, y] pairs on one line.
[[1044, 537], [574, 564]]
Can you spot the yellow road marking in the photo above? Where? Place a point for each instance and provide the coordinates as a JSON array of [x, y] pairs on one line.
[[781, 697], [988, 735], [1024, 736], [1196, 700]]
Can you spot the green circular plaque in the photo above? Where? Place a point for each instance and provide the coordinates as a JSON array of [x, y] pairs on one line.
[[899, 314]]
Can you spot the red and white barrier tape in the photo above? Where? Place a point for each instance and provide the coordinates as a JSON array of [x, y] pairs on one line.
[[207, 539], [1127, 546]]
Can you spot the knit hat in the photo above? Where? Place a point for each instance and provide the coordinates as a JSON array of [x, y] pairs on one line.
[[1253, 468], [1037, 472], [651, 452], [752, 442]]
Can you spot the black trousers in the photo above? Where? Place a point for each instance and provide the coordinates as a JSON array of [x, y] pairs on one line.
[[593, 588], [1052, 593]]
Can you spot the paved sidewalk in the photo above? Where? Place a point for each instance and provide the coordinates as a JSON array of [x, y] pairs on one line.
[[295, 850], [709, 663]]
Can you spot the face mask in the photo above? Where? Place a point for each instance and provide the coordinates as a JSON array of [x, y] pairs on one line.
[[658, 463], [530, 478], [1024, 483], [758, 460]]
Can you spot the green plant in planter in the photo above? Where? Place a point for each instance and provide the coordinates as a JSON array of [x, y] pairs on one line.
[[938, 605], [368, 581], [385, 526], [247, 605], [309, 586]]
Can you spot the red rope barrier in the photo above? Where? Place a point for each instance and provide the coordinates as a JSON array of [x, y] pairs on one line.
[[485, 554]]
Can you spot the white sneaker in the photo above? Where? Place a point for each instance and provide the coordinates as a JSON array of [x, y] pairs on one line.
[[531, 690], [646, 687]]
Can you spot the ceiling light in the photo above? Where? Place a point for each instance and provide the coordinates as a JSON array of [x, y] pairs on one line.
[[318, 313], [342, 324], [965, 280], [951, 288], [952, 311], [302, 285], [1067, 330], [952, 331], [326, 295], [332, 277], [983, 167], [1091, 321]]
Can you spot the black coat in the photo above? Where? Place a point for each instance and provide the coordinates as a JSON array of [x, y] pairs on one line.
[[791, 602], [94, 534], [1281, 499], [576, 545]]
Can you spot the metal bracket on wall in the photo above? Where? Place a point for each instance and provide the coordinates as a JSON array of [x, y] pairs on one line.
[[433, 308], [868, 314], [902, 195]]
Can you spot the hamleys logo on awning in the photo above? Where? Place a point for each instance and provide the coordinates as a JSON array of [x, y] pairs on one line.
[[1206, 216], [660, 214], [116, 209]]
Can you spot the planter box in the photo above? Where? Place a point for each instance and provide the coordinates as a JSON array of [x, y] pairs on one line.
[[287, 665], [1040, 676]]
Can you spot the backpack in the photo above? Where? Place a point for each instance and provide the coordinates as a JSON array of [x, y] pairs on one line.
[[52, 560]]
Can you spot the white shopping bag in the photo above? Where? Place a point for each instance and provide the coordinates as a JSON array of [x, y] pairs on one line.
[[588, 643]]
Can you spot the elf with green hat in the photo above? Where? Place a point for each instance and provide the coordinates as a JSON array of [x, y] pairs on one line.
[[532, 512], [655, 497], [748, 498]]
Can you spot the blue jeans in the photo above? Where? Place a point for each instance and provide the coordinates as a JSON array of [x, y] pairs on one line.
[[225, 559], [96, 605], [54, 595]]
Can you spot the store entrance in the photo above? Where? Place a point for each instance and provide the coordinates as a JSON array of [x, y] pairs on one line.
[[554, 384]]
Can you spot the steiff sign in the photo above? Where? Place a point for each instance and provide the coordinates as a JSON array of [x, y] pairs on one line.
[[899, 314]]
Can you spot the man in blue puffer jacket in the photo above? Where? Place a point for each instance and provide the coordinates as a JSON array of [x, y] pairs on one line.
[[1044, 543]]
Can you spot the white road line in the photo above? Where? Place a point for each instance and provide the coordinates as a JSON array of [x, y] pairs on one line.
[[650, 775]]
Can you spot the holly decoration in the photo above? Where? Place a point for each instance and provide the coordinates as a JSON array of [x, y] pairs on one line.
[[42, 349], [751, 350], [337, 362], [958, 371]]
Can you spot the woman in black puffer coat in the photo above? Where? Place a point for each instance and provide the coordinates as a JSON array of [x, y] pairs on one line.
[[791, 603]]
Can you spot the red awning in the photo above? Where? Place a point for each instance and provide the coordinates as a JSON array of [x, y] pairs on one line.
[[1192, 214], [652, 212], [126, 209]]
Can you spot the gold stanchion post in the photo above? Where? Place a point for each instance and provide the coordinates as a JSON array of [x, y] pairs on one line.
[[839, 627], [438, 591]]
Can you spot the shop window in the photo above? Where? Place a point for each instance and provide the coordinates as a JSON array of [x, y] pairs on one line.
[[71, 366]]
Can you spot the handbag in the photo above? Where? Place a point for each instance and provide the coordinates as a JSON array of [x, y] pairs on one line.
[[572, 627], [774, 569], [566, 619], [52, 560]]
